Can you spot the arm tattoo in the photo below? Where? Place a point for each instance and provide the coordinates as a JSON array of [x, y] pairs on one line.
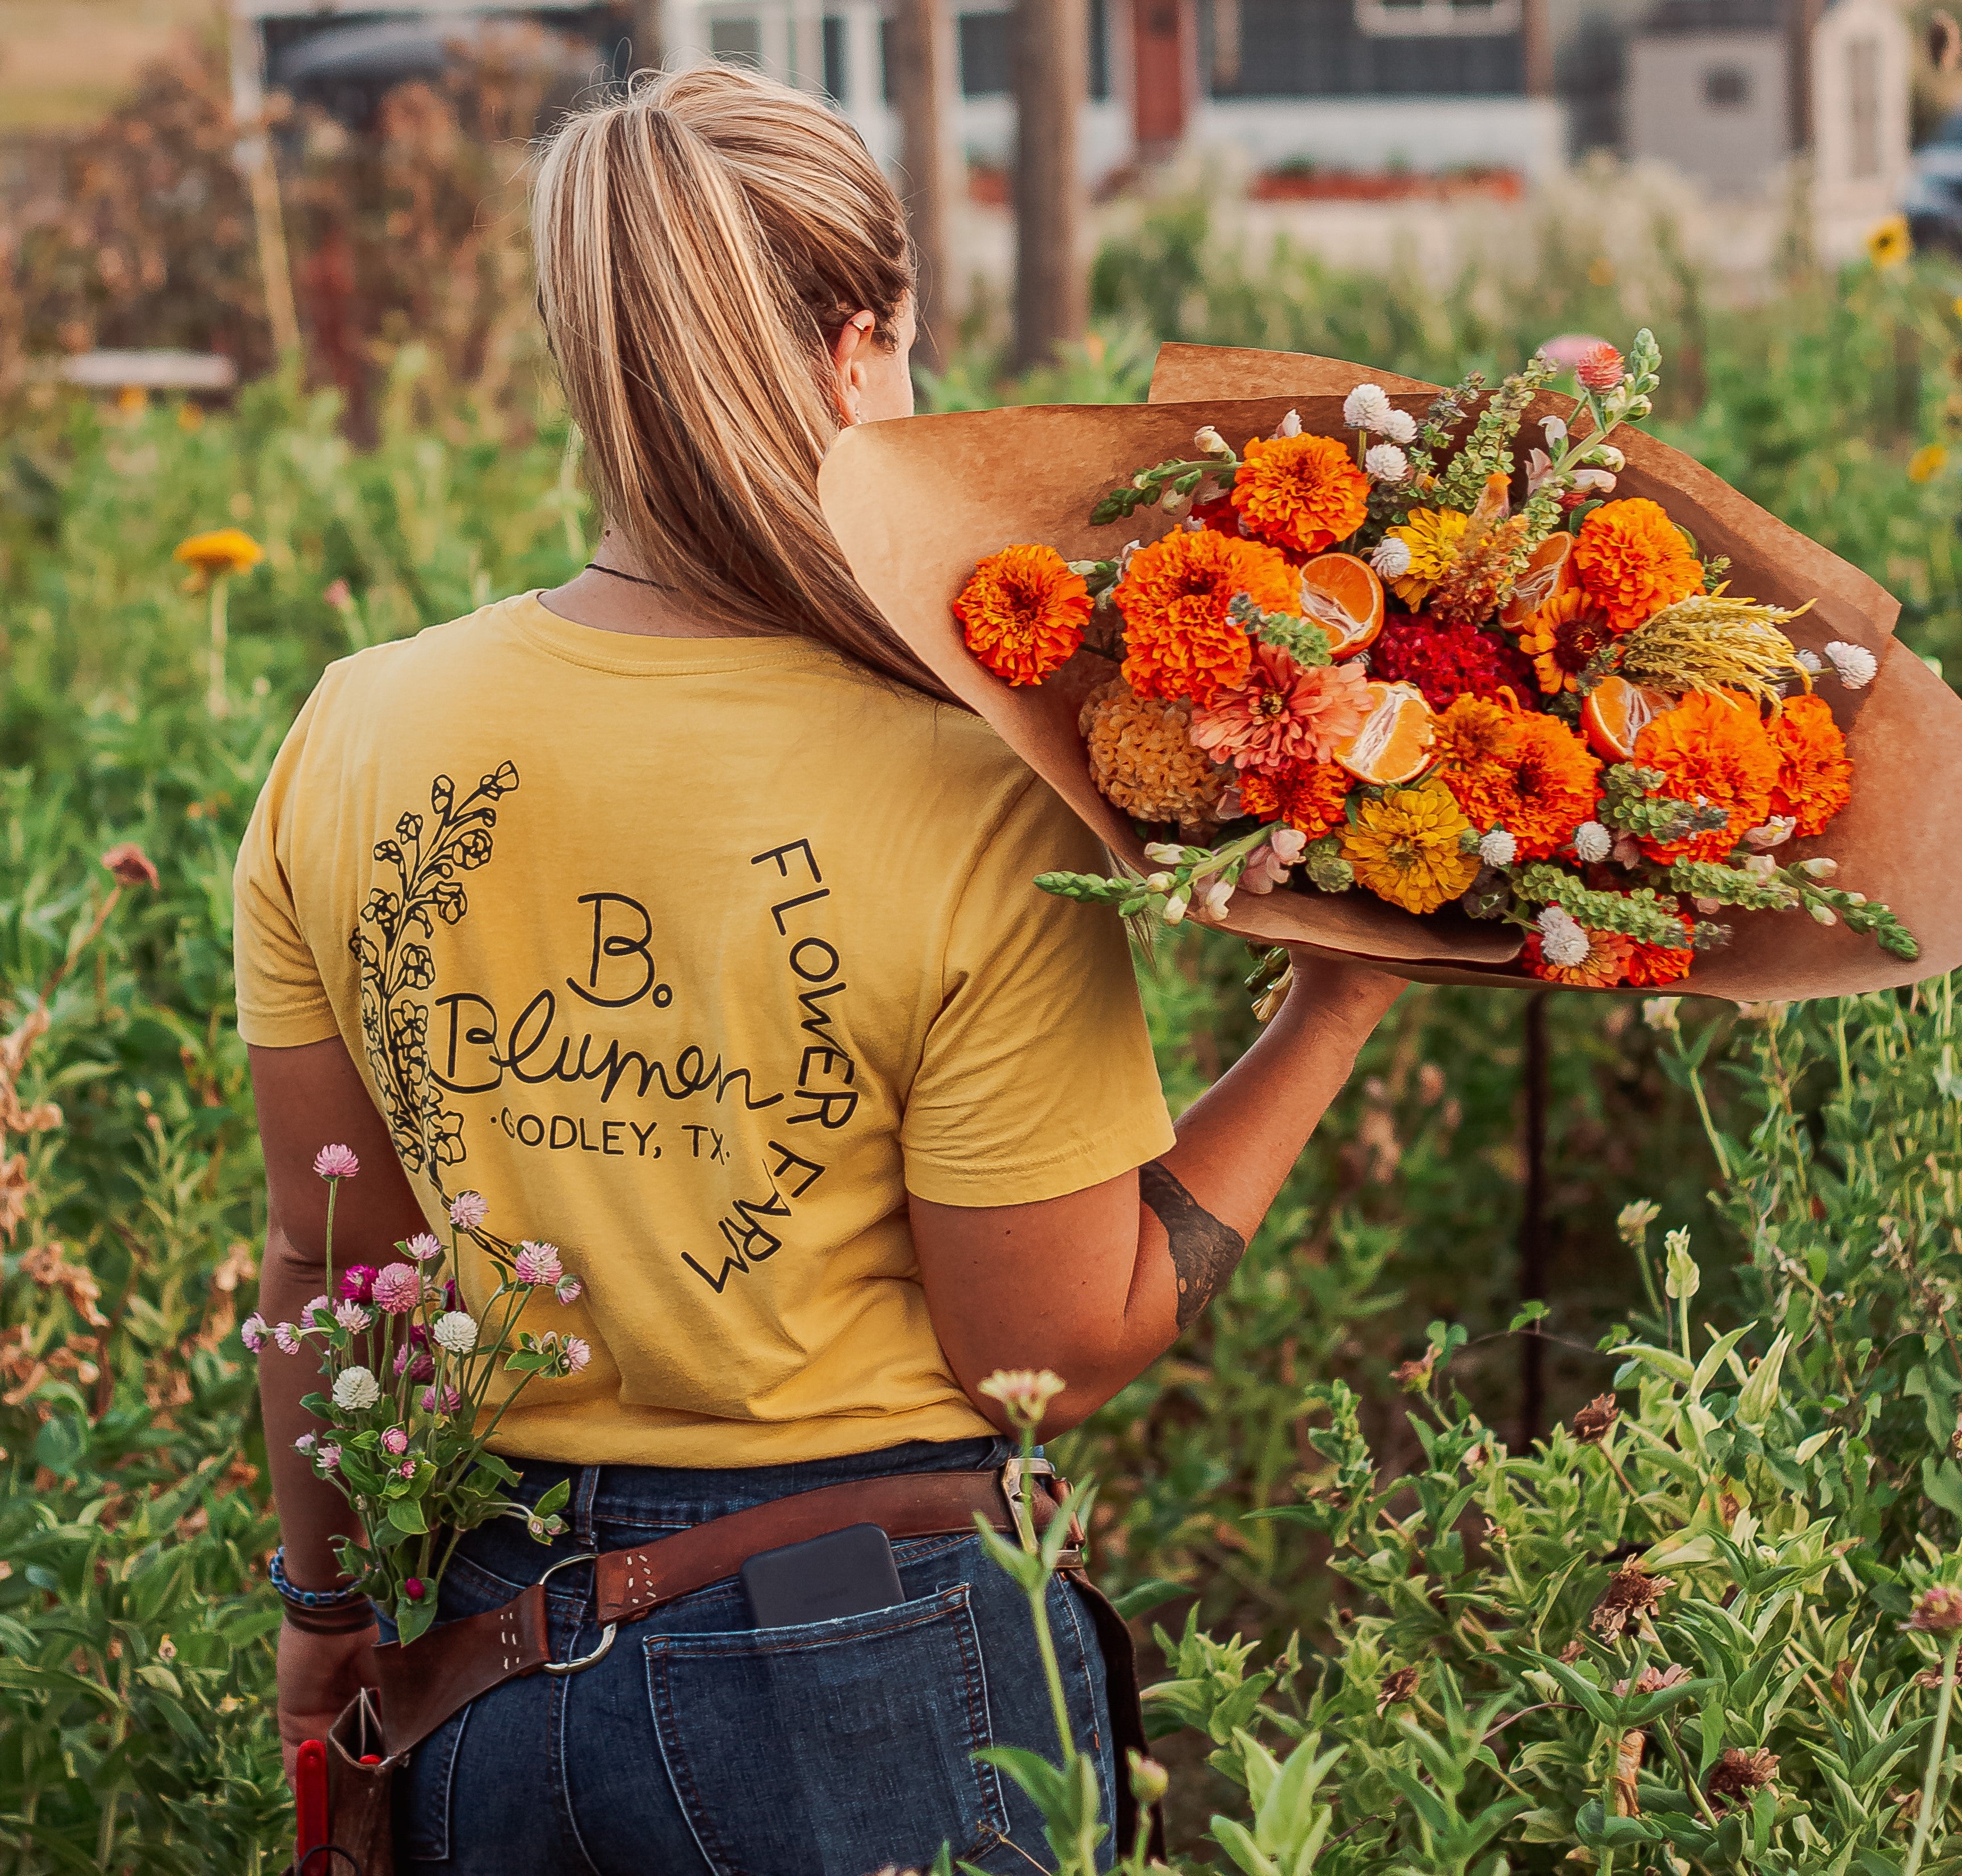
[[1204, 1252]]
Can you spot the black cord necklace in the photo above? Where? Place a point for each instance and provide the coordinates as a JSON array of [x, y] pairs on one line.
[[593, 567]]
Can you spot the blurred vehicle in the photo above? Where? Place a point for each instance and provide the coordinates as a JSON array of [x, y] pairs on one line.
[[342, 59], [1933, 204]]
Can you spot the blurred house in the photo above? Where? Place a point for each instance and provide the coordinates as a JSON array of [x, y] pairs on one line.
[[1350, 85]]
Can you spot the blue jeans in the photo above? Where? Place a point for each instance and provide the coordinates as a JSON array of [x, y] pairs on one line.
[[702, 1744]]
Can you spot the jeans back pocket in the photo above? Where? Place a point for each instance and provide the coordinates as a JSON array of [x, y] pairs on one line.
[[832, 1748]]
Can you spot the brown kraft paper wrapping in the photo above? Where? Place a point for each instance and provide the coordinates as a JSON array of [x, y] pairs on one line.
[[915, 504]]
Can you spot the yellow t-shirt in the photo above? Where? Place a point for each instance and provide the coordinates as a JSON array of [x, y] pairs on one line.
[[694, 957]]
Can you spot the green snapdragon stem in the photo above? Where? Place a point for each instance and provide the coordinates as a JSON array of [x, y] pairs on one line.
[[1925, 1821]]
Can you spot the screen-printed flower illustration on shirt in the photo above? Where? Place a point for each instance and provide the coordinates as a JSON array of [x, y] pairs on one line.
[[395, 963]]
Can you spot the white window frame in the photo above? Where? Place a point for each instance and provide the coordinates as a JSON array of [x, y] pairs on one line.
[[1438, 19]]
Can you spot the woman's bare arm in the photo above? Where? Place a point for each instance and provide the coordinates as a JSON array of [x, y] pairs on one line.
[[1097, 1284], [307, 1098]]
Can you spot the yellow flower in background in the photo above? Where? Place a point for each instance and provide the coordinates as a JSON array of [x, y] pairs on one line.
[[1406, 847], [1432, 534], [1926, 463], [1890, 243], [1955, 305], [220, 551]]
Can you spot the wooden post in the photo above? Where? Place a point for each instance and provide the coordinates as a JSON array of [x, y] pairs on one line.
[[1052, 76], [1536, 48], [647, 50], [923, 92]]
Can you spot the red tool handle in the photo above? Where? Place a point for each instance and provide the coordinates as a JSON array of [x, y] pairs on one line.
[[310, 1799]]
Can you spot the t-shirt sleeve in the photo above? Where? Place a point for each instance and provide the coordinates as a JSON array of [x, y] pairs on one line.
[[282, 1003], [1037, 1078]]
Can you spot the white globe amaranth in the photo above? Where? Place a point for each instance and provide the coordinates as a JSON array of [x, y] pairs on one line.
[[355, 1390], [1562, 942], [1400, 427], [1856, 666], [456, 1330], [1593, 843], [1391, 558], [1386, 462], [1498, 848], [1367, 407]]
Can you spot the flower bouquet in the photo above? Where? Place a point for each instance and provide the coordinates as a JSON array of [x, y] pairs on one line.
[[1484, 684], [408, 1408]]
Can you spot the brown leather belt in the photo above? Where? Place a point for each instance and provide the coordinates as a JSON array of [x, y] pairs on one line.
[[443, 1670]]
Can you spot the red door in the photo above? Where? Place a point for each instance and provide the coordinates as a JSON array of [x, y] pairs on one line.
[[1165, 44]]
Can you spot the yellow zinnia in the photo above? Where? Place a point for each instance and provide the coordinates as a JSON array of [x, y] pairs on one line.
[[220, 551], [1432, 534], [1926, 463], [1889, 243], [1405, 847]]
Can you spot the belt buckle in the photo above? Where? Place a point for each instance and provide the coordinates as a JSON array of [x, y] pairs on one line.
[[605, 1641], [1014, 1471]]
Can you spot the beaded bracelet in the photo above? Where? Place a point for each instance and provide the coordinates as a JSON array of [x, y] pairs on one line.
[[343, 1598]]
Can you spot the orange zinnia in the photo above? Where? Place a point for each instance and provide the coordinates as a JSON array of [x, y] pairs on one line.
[[1711, 747], [1023, 613], [1605, 965], [1652, 966], [1302, 492], [1562, 637], [1178, 639], [1815, 779], [1312, 797], [1633, 560]]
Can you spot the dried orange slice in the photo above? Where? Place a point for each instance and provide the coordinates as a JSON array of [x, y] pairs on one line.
[[1549, 572], [1341, 593], [1394, 744], [1617, 711]]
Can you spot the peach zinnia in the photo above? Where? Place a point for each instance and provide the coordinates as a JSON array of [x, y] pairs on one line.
[[1815, 779], [1023, 613], [1178, 639], [1283, 713], [1633, 560], [1302, 492]]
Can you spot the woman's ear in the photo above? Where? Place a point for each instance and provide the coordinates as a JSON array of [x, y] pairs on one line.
[[850, 358]]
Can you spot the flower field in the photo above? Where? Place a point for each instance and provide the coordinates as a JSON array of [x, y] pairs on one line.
[[1571, 1454]]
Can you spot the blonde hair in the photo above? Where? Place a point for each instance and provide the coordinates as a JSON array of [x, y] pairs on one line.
[[701, 241]]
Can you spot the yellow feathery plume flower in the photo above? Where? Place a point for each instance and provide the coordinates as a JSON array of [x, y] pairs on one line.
[[1432, 535], [1710, 642], [1405, 847]]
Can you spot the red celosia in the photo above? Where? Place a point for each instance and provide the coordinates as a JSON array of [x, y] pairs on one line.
[[1448, 662]]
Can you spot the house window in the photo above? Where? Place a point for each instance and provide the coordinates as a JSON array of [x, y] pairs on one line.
[[1433, 19], [988, 53], [835, 80], [737, 42], [1727, 88], [1863, 98]]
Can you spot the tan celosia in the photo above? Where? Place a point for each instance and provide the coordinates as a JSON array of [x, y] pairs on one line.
[[1143, 758]]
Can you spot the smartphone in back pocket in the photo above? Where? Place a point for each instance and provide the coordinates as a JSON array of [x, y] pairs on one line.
[[849, 1572]]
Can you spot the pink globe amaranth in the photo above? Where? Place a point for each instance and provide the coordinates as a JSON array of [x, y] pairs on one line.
[[357, 1283], [424, 1246], [1600, 367], [395, 1440], [336, 1162], [538, 1264], [468, 1209], [398, 1288], [415, 1589]]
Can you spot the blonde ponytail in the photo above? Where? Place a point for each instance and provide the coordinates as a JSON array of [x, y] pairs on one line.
[[701, 242]]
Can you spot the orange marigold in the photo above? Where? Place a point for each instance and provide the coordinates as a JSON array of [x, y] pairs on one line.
[[1633, 561], [1312, 797], [1178, 640], [1650, 967], [1711, 747], [1302, 492], [1605, 965], [1516, 769], [1815, 779], [1023, 613]]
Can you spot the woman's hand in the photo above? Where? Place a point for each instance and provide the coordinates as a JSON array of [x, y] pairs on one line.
[[318, 1676]]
